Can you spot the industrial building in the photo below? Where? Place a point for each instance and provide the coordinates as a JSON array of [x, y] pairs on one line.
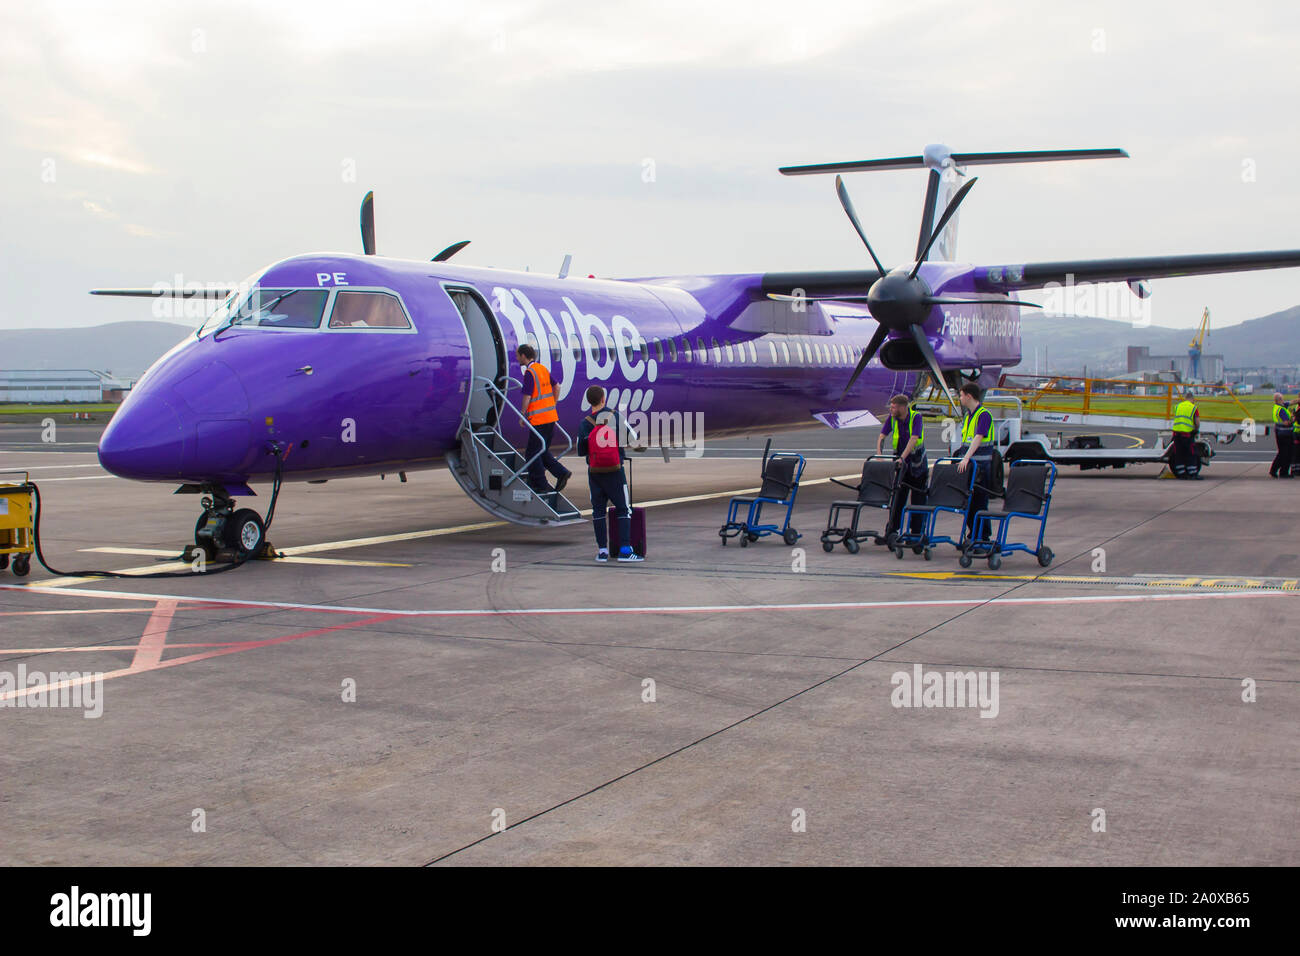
[[60, 385], [1140, 359]]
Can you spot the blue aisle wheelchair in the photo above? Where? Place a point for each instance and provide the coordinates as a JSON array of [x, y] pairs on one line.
[[781, 473], [1028, 495], [950, 492]]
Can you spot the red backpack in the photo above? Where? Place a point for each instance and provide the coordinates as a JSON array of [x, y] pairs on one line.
[[602, 445]]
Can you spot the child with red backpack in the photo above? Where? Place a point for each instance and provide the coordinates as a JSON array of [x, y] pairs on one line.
[[598, 442]]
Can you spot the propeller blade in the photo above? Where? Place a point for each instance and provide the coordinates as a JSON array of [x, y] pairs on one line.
[[368, 224], [931, 300], [922, 343], [781, 297], [867, 356], [847, 203], [450, 251], [947, 214]]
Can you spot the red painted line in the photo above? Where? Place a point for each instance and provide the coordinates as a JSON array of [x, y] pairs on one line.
[[149, 651]]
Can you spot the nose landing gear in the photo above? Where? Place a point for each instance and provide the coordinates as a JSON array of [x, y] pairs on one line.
[[224, 531]]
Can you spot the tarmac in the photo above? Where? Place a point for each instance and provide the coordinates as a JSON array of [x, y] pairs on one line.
[[418, 683]]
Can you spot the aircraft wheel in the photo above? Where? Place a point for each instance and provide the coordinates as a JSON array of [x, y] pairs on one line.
[[791, 537], [244, 533], [851, 545], [828, 546], [995, 561], [965, 560], [1045, 557], [22, 564]]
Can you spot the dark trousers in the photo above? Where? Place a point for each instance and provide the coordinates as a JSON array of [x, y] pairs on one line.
[[1185, 463], [1295, 456], [912, 484], [1285, 450], [979, 497], [609, 488], [545, 461]]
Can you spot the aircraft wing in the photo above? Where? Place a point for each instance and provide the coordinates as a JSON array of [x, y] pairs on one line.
[[1035, 275]]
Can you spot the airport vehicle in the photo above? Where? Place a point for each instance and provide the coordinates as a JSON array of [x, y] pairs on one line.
[[16, 539], [1028, 497], [1085, 451], [782, 471], [329, 365]]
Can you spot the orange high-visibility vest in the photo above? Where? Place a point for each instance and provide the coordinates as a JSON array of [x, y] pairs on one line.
[[540, 409]]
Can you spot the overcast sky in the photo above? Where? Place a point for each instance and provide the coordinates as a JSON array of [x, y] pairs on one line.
[[142, 140]]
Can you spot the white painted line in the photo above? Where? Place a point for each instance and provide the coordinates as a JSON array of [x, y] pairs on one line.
[[343, 562], [663, 609]]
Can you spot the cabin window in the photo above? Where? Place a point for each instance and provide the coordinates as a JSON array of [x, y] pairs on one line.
[[575, 346], [699, 347], [740, 352], [672, 348], [659, 350], [753, 353], [593, 348], [772, 348], [368, 310], [555, 349], [717, 351], [785, 354], [686, 350]]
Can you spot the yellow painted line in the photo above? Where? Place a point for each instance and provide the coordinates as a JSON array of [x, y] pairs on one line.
[[349, 562], [482, 525], [1190, 581]]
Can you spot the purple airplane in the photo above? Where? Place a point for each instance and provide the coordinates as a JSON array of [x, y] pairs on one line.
[[331, 365]]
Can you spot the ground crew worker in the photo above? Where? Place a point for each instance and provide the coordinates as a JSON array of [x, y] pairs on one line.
[[540, 400], [605, 476], [1284, 434], [978, 439], [905, 432], [1187, 422]]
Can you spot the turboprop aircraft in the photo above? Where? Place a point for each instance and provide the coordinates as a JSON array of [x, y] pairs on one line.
[[330, 365]]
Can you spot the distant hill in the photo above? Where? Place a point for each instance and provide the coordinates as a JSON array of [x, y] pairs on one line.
[[1102, 344], [126, 349]]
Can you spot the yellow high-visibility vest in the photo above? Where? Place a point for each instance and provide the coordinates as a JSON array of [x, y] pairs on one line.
[[1185, 416], [899, 445], [968, 426]]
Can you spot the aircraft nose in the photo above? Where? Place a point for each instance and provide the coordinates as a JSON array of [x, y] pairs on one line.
[[144, 442]]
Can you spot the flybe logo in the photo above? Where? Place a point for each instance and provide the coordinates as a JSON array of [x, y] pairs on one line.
[[618, 338]]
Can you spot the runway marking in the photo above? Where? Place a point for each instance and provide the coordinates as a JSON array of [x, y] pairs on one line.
[[483, 525], [96, 610], [149, 651], [1137, 580], [654, 609], [345, 562]]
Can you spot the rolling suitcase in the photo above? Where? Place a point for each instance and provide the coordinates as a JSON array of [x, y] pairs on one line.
[[638, 523]]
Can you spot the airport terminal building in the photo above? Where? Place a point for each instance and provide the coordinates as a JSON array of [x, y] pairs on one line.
[[60, 385]]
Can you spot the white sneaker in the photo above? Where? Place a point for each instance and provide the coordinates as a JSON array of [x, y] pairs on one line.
[[602, 556], [630, 556]]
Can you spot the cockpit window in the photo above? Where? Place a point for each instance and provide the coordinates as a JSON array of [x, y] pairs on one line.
[[271, 309], [368, 310]]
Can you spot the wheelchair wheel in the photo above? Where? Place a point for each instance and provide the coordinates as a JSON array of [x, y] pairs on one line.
[[744, 541], [1045, 557], [851, 545], [995, 561], [750, 536], [918, 548], [898, 552], [965, 560], [828, 547], [791, 537], [928, 554], [891, 539]]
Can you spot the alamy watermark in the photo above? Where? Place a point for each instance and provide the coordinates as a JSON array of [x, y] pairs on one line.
[[58, 689]]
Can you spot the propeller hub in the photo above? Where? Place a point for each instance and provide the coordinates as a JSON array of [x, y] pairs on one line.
[[898, 300]]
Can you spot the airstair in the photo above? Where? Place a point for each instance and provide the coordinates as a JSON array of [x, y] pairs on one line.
[[493, 473]]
